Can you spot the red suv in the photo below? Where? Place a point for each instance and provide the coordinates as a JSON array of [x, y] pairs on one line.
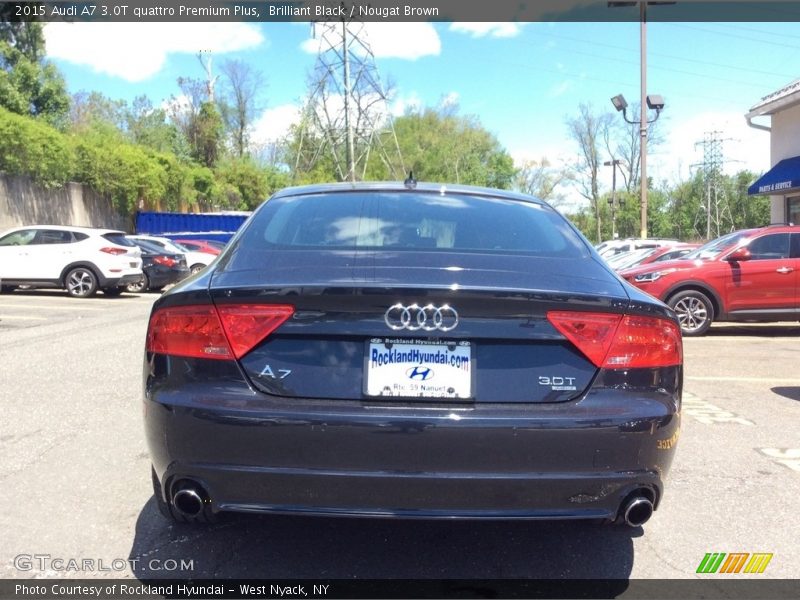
[[747, 275]]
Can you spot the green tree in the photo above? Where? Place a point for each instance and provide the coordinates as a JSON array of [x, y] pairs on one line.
[[29, 85], [34, 148], [442, 146], [149, 126], [241, 90], [93, 109]]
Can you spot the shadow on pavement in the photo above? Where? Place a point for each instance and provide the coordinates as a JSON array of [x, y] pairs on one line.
[[792, 393], [289, 547]]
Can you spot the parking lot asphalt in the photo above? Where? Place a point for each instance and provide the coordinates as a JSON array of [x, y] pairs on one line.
[[75, 482]]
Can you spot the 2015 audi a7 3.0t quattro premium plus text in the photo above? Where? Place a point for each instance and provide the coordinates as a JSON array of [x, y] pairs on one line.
[[411, 351]]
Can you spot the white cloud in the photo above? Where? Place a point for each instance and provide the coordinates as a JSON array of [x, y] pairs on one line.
[[403, 104], [274, 123], [559, 89], [409, 41], [676, 159], [137, 51], [449, 100], [496, 30]]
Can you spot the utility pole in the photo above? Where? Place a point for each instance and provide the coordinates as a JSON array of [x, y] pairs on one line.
[[643, 117], [350, 151], [346, 115], [613, 163], [643, 98], [715, 211]]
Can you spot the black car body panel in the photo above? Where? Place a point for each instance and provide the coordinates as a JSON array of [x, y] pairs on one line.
[[290, 427]]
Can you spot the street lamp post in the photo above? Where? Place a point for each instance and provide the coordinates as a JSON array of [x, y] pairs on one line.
[[653, 102], [642, 122], [613, 163]]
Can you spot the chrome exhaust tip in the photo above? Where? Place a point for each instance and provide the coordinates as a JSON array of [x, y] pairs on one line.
[[637, 511], [188, 502]]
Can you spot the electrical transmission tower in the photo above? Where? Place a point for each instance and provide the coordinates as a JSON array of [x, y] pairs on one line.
[[347, 115], [715, 210]]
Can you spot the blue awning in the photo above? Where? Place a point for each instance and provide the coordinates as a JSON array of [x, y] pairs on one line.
[[779, 179]]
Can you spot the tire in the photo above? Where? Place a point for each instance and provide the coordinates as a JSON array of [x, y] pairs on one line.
[[168, 511], [695, 312], [198, 267], [112, 292], [137, 288], [81, 282]]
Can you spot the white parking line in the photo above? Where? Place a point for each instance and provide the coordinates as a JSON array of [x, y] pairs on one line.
[[21, 318], [49, 306], [745, 379]]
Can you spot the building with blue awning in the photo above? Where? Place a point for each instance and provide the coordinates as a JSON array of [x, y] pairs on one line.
[[779, 114]]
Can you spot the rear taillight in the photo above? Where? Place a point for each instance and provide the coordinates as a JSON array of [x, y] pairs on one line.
[[113, 250], [621, 341], [228, 332], [165, 261]]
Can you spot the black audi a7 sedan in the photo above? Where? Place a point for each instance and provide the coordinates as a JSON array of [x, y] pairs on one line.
[[411, 350]]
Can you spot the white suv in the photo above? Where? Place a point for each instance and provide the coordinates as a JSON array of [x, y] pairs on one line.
[[78, 259]]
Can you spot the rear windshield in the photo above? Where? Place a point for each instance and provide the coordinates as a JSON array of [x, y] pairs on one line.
[[411, 221], [118, 238]]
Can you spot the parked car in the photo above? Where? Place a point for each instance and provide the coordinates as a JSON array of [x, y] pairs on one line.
[[611, 248], [207, 246], [419, 350], [160, 268], [80, 260], [195, 260], [748, 275], [644, 256]]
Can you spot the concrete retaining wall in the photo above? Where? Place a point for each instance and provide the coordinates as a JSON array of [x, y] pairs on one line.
[[24, 202]]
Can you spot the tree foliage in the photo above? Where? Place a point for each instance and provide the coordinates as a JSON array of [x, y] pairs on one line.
[[588, 131], [680, 211], [30, 85], [31, 147], [241, 91]]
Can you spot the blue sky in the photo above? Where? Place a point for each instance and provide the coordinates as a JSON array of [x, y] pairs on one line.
[[522, 81]]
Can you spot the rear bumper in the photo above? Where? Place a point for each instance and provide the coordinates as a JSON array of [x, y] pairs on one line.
[[110, 282], [161, 276], [251, 453]]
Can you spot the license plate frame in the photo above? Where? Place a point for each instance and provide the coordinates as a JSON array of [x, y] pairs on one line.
[[397, 378]]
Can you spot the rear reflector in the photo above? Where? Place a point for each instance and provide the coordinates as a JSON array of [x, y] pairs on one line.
[[228, 332], [621, 341]]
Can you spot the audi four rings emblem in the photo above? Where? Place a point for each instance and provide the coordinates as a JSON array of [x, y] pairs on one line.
[[415, 317]]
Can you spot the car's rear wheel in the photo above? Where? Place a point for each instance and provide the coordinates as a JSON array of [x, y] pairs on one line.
[[695, 311], [168, 510], [81, 282], [112, 292], [197, 267], [140, 286]]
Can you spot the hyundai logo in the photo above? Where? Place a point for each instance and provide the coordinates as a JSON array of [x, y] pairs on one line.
[[415, 317], [421, 373]]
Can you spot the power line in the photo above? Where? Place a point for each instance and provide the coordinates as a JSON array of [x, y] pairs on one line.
[[664, 55], [733, 35], [347, 112], [715, 210]]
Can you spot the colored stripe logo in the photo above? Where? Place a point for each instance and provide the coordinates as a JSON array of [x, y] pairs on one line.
[[735, 562]]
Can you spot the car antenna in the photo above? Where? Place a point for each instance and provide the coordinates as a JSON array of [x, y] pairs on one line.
[[410, 182]]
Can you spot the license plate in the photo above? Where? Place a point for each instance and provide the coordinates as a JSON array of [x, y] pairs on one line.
[[418, 369]]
